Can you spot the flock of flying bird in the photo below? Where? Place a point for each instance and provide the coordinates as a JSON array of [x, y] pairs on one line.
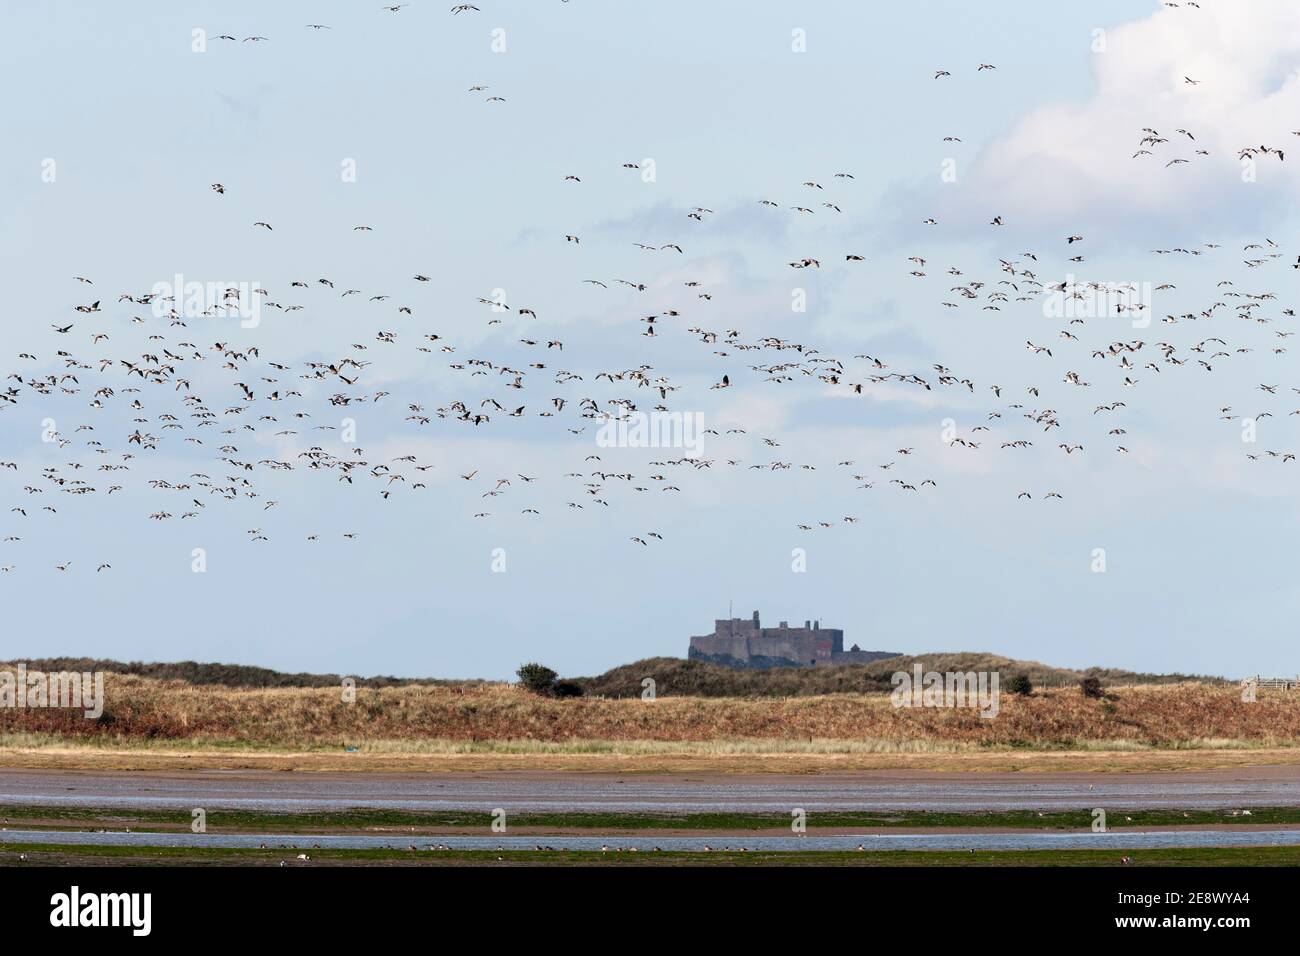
[[181, 410]]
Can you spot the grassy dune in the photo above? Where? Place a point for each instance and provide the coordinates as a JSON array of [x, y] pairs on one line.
[[699, 679], [474, 717], [673, 675]]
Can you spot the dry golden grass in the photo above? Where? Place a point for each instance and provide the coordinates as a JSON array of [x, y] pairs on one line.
[[631, 758], [494, 718]]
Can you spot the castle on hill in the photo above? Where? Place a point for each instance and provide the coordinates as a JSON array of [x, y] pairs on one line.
[[745, 643]]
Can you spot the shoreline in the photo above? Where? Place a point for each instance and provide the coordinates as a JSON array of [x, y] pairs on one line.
[[55, 855]]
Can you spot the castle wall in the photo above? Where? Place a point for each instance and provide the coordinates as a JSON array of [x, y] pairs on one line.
[[720, 645], [801, 645], [744, 642]]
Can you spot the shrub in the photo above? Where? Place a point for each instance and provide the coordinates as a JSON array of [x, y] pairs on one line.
[[538, 679], [566, 688], [1020, 684], [1091, 688]]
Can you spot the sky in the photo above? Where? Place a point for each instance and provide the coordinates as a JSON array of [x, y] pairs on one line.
[[125, 114]]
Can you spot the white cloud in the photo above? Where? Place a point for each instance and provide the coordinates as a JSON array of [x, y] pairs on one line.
[[1072, 165]]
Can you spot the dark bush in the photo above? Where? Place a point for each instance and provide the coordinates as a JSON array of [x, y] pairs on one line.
[[537, 678], [1020, 684], [566, 688], [1091, 688]]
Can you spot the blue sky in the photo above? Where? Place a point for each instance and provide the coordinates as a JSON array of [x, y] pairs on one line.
[[472, 194]]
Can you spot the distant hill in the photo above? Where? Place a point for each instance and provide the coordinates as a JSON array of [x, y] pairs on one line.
[[672, 675], [678, 677], [225, 675]]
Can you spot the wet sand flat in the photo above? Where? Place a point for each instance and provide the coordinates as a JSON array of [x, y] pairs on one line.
[[892, 842], [543, 791]]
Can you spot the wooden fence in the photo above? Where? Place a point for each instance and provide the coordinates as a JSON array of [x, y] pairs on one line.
[[1275, 683]]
